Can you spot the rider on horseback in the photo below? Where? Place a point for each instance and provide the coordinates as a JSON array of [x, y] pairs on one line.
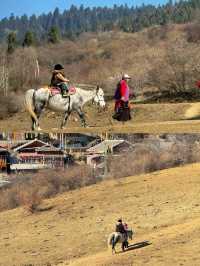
[[122, 229], [59, 80]]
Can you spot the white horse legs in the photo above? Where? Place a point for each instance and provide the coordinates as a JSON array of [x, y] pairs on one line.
[[38, 110], [64, 121], [67, 114], [82, 117]]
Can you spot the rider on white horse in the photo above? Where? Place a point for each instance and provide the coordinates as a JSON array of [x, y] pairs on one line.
[[59, 80], [122, 229]]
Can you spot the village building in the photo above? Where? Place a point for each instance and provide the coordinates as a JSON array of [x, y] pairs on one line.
[[97, 153], [41, 153], [4, 159]]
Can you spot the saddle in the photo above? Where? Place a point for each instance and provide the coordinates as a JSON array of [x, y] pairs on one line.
[[56, 90]]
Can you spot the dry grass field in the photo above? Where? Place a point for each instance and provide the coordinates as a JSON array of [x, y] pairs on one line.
[[162, 208], [147, 118]]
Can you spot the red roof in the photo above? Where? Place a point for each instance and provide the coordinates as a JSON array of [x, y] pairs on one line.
[[29, 154]]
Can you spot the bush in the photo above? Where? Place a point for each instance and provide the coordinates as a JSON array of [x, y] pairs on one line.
[[157, 33], [30, 199], [23, 71], [193, 32], [30, 190], [177, 71], [8, 106], [145, 160]]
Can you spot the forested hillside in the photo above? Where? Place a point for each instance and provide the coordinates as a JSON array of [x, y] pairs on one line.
[[97, 45], [73, 22]]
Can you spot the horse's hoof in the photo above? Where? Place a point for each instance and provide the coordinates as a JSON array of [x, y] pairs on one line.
[[85, 125]]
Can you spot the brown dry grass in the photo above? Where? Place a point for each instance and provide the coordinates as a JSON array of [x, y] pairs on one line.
[[30, 189], [162, 208], [147, 118]]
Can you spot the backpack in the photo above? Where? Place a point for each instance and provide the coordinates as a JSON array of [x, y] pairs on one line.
[[117, 95]]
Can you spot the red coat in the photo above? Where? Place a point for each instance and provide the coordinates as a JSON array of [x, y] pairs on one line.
[[198, 83], [124, 92]]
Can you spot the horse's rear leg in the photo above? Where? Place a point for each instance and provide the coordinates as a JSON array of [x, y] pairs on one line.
[[82, 117], [34, 123], [38, 111], [113, 241]]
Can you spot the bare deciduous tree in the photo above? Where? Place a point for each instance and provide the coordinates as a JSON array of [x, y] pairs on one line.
[[4, 76]]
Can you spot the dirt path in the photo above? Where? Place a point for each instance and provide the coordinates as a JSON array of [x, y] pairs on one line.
[[148, 118]]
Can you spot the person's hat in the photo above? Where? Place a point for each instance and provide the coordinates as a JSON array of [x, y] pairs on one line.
[[126, 76], [58, 67], [119, 220]]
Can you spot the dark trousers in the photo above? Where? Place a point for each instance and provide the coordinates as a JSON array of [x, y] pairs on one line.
[[122, 111], [64, 88]]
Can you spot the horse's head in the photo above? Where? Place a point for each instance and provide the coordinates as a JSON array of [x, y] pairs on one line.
[[99, 97], [130, 233]]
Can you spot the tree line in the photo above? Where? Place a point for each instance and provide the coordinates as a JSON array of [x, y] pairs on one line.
[[71, 23]]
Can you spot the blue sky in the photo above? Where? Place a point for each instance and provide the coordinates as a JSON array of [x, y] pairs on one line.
[[29, 7]]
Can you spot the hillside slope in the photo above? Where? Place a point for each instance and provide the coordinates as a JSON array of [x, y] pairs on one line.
[[162, 208], [157, 60]]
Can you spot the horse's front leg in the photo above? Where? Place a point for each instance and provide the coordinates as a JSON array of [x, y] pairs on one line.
[[82, 117], [35, 124], [113, 251], [64, 121]]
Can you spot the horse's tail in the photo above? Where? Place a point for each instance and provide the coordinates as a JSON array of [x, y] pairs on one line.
[[29, 103]]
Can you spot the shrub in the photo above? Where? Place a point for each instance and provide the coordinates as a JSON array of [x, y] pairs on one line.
[[193, 32], [23, 69], [8, 106], [178, 70], [157, 33], [145, 160], [29, 190]]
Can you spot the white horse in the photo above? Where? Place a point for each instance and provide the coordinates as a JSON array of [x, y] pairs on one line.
[[116, 237], [37, 100]]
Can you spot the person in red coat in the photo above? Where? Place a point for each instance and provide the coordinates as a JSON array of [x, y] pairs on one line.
[[122, 110]]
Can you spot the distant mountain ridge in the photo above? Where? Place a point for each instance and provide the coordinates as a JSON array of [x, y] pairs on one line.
[[74, 21]]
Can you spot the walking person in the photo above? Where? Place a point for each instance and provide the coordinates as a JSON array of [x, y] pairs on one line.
[[122, 93]]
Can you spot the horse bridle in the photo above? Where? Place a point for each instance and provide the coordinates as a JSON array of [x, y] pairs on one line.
[[96, 95]]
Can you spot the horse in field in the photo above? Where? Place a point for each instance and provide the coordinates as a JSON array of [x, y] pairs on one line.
[[36, 100], [117, 237]]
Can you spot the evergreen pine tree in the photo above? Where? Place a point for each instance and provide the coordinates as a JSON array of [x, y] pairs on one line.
[[28, 39], [53, 35], [11, 42]]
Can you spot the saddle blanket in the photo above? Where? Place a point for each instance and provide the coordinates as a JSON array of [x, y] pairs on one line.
[[57, 90]]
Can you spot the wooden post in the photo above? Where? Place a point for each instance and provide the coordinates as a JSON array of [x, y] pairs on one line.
[[37, 69]]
